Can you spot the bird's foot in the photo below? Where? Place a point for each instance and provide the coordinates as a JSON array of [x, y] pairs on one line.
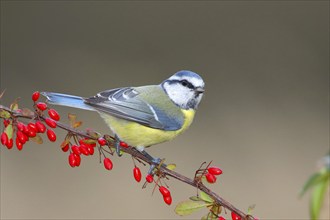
[[155, 161]]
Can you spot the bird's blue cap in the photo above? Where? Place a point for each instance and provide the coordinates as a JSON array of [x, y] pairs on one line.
[[188, 73]]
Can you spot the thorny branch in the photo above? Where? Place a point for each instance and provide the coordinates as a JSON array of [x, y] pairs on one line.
[[132, 151]]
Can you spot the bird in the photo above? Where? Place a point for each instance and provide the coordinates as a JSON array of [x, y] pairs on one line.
[[146, 115]]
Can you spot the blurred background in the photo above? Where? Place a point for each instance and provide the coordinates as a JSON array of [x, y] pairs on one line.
[[264, 118]]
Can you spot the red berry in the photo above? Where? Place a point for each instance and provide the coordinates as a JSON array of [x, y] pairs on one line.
[[149, 178], [51, 135], [137, 174], [20, 126], [6, 122], [164, 191], [65, 148], [168, 199], [33, 127], [75, 149], [40, 127], [234, 216], [30, 132], [77, 159], [123, 144], [210, 178], [42, 106], [19, 144], [214, 170], [35, 96], [72, 160], [82, 141], [90, 149], [10, 143], [21, 137], [83, 149], [4, 138], [221, 218], [102, 141], [53, 114], [107, 163], [26, 130], [51, 123]]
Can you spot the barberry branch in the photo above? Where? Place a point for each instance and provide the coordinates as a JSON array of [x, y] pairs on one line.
[[162, 171]]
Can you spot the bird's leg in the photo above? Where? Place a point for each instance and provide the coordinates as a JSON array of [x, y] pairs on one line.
[[155, 161], [117, 146]]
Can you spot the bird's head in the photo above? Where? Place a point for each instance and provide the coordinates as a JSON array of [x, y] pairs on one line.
[[185, 88]]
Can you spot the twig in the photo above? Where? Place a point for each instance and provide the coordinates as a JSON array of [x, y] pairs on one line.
[[132, 151]]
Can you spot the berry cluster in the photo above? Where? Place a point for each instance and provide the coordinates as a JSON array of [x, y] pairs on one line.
[[84, 148], [25, 132], [208, 173], [75, 144], [211, 174], [166, 195]]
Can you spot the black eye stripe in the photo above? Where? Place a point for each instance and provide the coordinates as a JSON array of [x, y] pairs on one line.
[[183, 82], [187, 84]]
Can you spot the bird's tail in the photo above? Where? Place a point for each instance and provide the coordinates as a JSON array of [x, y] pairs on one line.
[[66, 100]]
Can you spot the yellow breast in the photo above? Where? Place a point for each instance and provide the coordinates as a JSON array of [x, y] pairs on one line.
[[138, 135]]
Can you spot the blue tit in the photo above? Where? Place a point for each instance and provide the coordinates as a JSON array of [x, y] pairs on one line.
[[146, 115]]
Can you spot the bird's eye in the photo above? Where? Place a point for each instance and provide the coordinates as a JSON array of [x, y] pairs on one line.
[[184, 83]]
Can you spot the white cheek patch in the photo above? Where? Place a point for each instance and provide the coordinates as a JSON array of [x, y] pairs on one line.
[[184, 95], [178, 94]]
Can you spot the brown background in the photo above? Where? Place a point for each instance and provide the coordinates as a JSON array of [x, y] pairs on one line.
[[263, 120]]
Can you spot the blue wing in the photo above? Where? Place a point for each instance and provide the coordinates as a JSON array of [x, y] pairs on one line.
[[126, 103]]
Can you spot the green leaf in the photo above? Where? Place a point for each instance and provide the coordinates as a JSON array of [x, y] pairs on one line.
[[188, 207], [171, 166], [205, 197], [312, 181], [9, 131], [89, 141], [317, 200], [14, 105], [195, 198], [4, 114]]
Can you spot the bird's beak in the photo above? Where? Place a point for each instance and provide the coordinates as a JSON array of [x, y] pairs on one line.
[[199, 90]]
